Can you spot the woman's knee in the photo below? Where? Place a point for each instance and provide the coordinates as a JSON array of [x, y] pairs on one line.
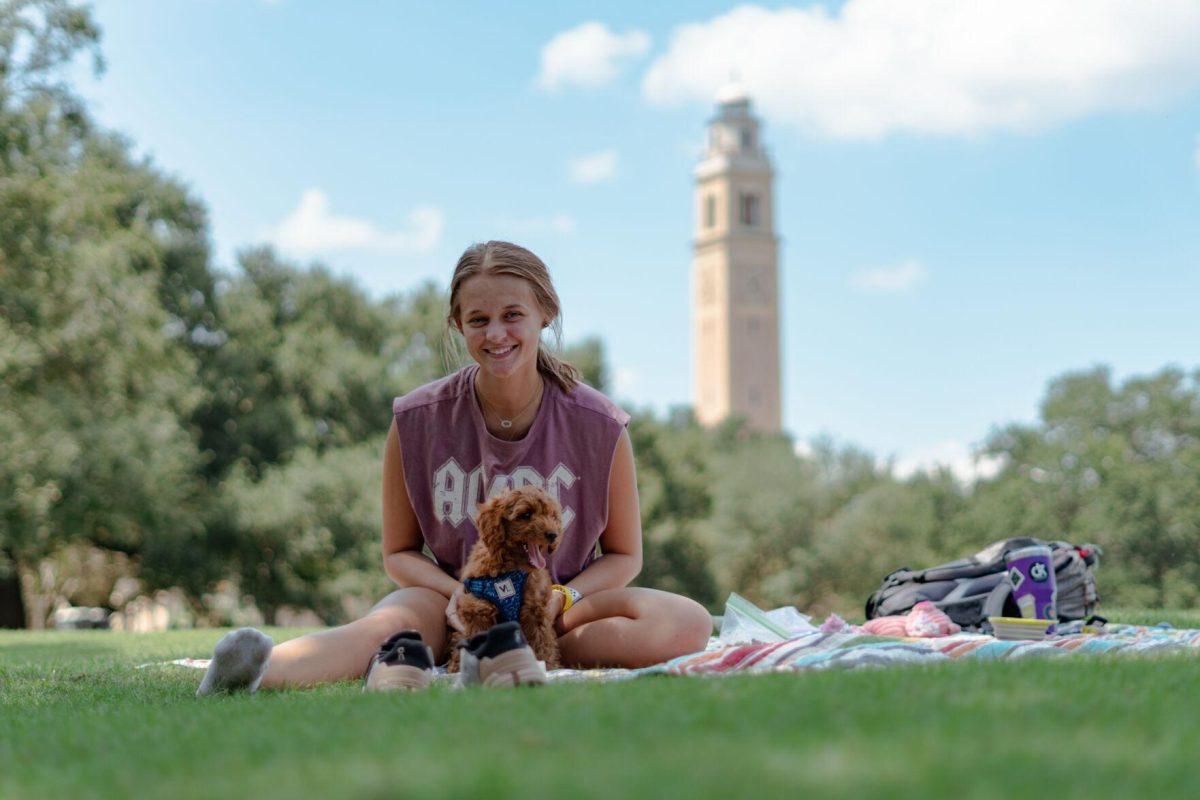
[[695, 623], [414, 607], [679, 620]]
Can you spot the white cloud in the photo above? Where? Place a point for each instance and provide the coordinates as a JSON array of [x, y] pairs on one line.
[[588, 55], [898, 278], [957, 456], [625, 380], [562, 224], [941, 67], [312, 227], [594, 168]]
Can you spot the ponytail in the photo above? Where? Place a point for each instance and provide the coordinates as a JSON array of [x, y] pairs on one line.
[[565, 375]]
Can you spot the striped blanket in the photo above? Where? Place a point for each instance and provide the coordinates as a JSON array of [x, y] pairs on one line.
[[819, 650]]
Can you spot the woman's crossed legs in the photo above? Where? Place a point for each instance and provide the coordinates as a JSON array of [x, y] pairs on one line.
[[628, 627]]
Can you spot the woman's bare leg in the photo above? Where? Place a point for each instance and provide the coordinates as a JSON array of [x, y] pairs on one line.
[[632, 627], [343, 652]]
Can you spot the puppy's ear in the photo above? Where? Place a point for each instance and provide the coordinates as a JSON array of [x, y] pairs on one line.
[[490, 523]]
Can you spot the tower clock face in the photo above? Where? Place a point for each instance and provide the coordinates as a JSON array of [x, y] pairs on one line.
[[754, 288], [754, 283]]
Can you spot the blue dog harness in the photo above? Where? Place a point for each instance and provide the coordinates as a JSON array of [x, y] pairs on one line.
[[505, 592]]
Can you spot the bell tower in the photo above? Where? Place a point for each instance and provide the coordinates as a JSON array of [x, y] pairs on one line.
[[735, 273]]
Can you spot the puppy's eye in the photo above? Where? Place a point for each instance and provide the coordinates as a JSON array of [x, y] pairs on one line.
[[525, 515]]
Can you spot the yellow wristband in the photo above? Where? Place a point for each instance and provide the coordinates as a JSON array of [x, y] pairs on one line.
[[568, 596]]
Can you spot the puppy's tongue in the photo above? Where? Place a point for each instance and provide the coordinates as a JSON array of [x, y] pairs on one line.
[[536, 558]]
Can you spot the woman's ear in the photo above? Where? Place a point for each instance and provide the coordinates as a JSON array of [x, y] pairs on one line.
[[490, 524]]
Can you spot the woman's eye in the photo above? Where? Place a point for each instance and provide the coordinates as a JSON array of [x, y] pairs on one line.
[[513, 314], [476, 321]]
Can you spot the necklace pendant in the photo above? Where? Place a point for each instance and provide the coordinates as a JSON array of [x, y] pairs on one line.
[[506, 423]]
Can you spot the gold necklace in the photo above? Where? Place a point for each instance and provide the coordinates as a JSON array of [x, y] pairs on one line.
[[508, 423]]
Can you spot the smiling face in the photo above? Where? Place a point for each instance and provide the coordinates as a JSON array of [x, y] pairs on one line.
[[501, 322]]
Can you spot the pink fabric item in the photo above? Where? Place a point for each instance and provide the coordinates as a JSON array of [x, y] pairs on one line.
[[835, 624], [886, 626], [925, 620]]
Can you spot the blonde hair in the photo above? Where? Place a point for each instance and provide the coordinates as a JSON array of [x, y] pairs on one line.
[[505, 258]]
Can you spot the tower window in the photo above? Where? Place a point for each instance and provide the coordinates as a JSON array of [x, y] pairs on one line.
[[747, 139], [748, 209], [710, 211]]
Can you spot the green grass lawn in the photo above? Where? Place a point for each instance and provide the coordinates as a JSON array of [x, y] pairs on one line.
[[78, 720]]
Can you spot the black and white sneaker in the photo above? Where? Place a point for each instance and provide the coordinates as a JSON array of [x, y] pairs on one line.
[[499, 656], [403, 661]]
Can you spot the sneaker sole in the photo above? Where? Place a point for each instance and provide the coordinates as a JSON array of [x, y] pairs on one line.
[[398, 678], [514, 668]]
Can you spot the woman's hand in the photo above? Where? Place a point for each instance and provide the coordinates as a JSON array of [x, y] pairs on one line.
[[554, 607], [452, 618]]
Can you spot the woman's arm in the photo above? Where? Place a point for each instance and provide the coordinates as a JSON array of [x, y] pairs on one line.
[[403, 560], [621, 541]]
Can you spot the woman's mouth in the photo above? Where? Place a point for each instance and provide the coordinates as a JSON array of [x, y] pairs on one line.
[[501, 352]]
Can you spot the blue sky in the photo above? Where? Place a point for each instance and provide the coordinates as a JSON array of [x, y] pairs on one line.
[[972, 198]]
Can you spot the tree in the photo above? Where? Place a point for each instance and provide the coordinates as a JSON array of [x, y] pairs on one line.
[[1119, 466], [673, 490], [307, 532], [302, 359], [302, 373], [96, 254]]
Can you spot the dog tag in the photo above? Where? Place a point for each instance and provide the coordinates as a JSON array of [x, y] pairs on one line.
[[505, 589]]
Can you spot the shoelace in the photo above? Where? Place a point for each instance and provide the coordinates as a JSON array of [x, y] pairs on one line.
[[387, 648]]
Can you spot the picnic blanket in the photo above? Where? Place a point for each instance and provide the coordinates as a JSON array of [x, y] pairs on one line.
[[821, 650], [818, 650], [441, 676]]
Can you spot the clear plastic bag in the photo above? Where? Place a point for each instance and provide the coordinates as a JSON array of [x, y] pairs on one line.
[[745, 622]]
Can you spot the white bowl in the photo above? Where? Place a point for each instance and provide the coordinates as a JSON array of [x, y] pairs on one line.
[[1013, 628]]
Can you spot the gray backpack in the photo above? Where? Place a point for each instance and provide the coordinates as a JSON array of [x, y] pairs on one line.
[[972, 589]]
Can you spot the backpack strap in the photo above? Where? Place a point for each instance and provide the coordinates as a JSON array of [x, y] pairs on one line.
[[993, 606], [897, 578]]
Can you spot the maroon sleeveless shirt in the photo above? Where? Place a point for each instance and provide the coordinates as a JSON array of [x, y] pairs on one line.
[[452, 464]]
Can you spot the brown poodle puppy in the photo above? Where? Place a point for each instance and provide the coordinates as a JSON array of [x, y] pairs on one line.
[[507, 566]]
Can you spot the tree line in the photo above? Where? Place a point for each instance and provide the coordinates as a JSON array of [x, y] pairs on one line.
[[166, 422]]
